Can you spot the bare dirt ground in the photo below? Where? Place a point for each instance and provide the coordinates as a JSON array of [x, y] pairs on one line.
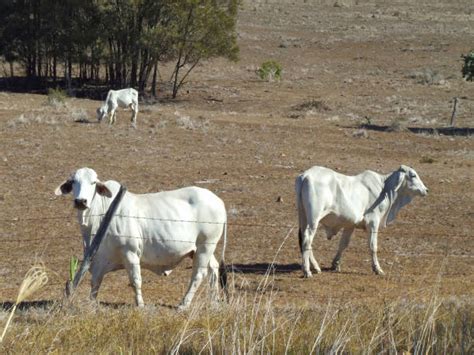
[[245, 139]]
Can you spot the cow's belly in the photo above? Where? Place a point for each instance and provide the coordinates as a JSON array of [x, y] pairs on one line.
[[167, 250], [338, 221]]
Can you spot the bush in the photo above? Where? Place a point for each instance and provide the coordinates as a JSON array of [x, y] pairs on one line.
[[56, 97], [468, 67], [270, 70]]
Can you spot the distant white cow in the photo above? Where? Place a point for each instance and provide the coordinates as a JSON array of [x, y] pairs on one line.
[[155, 231], [124, 98], [365, 201]]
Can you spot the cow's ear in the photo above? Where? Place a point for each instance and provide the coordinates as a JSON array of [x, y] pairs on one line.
[[102, 189], [64, 188], [404, 168], [400, 179]]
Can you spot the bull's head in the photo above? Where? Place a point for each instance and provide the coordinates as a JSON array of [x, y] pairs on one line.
[[411, 181], [84, 184]]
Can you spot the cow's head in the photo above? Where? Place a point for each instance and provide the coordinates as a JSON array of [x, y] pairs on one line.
[[101, 112], [411, 182], [84, 184]]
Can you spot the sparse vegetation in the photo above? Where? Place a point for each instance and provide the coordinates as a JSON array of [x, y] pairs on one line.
[[468, 66], [427, 76], [270, 70], [250, 324], [56, 97], [312, 105], [427, 160]]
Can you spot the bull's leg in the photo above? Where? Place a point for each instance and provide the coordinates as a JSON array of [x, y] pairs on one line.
[[307, 252], [343, 244], [132, 264], [373, 247], [200, 265]]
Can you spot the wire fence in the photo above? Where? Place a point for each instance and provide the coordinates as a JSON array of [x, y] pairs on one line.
[[15, 222]]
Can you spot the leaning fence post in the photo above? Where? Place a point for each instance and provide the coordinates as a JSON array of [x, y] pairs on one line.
[[90, 252], [453, 115]]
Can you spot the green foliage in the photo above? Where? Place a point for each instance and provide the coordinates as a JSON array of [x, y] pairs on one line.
[[73, 263], [270, 70], [56, 96], [201, 30], [123, 39], [468, 67]]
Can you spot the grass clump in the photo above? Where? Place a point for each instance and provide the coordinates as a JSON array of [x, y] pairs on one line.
[[468, 66], [270, 71], [253, 323], [427, 160], [56, 97]]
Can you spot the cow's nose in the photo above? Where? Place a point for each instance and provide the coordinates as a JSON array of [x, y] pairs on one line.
[[80, 203]]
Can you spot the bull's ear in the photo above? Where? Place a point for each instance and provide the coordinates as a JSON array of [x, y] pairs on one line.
[[102, 189], [64, 188]]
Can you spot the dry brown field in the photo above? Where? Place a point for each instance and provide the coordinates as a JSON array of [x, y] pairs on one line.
[[380, 62]]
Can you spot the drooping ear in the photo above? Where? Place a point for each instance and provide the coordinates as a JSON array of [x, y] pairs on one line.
[[102, 189], [404, 168], [64, 188], [400, 178]]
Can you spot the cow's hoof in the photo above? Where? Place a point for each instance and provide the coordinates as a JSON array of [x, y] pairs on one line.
[[378, 271], [307, 274], [181, 308], [336, 268]]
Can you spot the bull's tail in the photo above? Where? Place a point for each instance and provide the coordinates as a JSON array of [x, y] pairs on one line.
[[301, 212], [222, 266]]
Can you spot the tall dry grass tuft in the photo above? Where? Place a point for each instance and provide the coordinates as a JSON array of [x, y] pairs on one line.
[[34, 279], [254, 321]]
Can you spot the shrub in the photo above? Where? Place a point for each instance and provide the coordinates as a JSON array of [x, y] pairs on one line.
[[270, 70], [468, 67], [56, 97]]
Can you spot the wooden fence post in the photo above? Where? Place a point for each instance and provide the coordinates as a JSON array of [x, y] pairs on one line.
[[71, 286], [453, 115]]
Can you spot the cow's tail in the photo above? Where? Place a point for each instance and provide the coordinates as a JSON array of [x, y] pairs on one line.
[[222, 266], [301, 212]]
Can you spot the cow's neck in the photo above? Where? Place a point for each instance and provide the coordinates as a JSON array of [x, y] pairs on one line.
[[90, 218], [395, 199]]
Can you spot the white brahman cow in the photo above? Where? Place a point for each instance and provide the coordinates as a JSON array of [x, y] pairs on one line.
[[155, 231], [119, 98], [365, 201]]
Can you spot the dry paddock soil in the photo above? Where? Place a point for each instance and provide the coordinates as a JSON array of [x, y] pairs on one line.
[[345, 63]]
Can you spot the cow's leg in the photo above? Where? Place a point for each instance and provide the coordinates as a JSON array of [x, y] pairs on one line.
[[307, 252], [134, 108], [343, 244], [213, 277], [113, 117], [132, 264], [96, 281], [373, 231], [201, 261]]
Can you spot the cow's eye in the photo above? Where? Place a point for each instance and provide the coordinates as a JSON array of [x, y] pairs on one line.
[[411, 175]]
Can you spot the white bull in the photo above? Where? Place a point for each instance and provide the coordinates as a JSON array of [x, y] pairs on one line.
[[155, 231], [125, 98], [336, 201]]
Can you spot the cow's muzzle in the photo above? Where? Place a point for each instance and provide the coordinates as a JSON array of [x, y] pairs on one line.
[[80, 203]]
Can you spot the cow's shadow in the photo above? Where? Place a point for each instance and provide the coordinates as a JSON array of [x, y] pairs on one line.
[[27, 305], [263, 268]]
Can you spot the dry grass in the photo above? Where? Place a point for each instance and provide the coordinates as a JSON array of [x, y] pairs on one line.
[[250, 324], [34, 279]]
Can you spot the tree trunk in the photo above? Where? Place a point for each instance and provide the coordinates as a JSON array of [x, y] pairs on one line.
[[153, 86]]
